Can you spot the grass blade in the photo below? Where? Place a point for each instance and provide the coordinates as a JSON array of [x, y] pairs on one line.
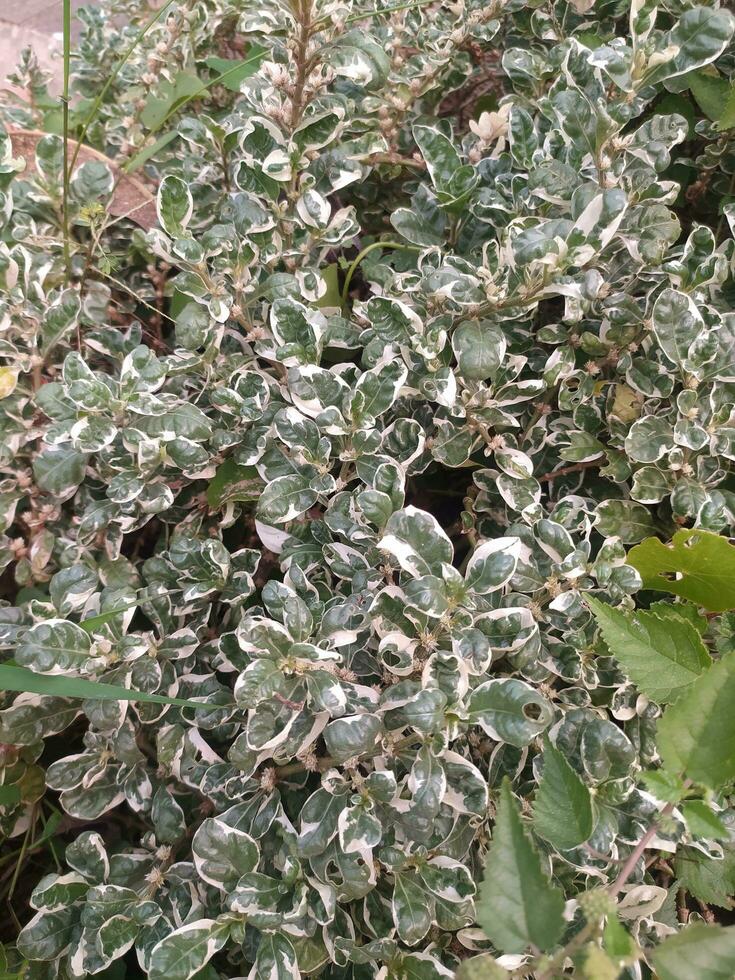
[[14, 678]]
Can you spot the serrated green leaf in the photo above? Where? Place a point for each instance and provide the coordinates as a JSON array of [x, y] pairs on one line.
[[517, 905], [662, 658], [562, 812], [696, 565], [702, 821], [704, 952], [708, 879], [696, 736]]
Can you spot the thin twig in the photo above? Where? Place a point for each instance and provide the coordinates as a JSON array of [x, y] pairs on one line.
[[575, 468], [629, 867]]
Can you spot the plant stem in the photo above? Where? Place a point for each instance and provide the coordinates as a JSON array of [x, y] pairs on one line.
[[629, 867], [65, 111], [574, 468], [361, 255]]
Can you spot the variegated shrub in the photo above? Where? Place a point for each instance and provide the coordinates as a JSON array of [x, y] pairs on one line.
[[367, 434]]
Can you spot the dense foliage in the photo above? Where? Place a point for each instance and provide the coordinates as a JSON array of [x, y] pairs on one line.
[[367, 429]]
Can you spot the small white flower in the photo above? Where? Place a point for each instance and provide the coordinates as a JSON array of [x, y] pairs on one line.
[[492, 127]]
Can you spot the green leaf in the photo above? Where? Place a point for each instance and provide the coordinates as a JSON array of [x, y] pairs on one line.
[[14, 678], [412, 912], [233, 482], [708, 879], [222, 854], [663, 658], [232, 72], [696, 736], [696, 565], [164, 100], [710, 91], [53, 646], [185, 951], [562, 812], [509, 710], [174, 205], [704, 952], [702, 821], [275, 959], [624, 519], [144, 155], [664, 786], [10, 795], [616, 939], [517, 906], [285, 498], [727, 118]]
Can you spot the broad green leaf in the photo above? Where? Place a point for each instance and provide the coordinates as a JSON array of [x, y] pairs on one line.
[[222, 854], [710, 91], [417, 541], [232, 72], [696, 565], [233, 482], [275, 959], [174, 205], [10, 795], [509, 710], [14, 678], [709, 879], [562, 811], [517, 905], [412, 912], [187, 950], [163, 100], [663, 658], [697, 38], [482, 967], [624, 519], [479, 346], [53, 647], [696, 736], [285, 498], [727, 116], [702, 821], [704, 952]]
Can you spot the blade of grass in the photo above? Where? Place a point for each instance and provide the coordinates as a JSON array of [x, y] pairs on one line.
[[147, 152], [14, 678], [66, 27]]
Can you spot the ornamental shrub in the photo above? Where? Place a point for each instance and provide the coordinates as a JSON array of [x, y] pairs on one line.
[[367, 437]]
